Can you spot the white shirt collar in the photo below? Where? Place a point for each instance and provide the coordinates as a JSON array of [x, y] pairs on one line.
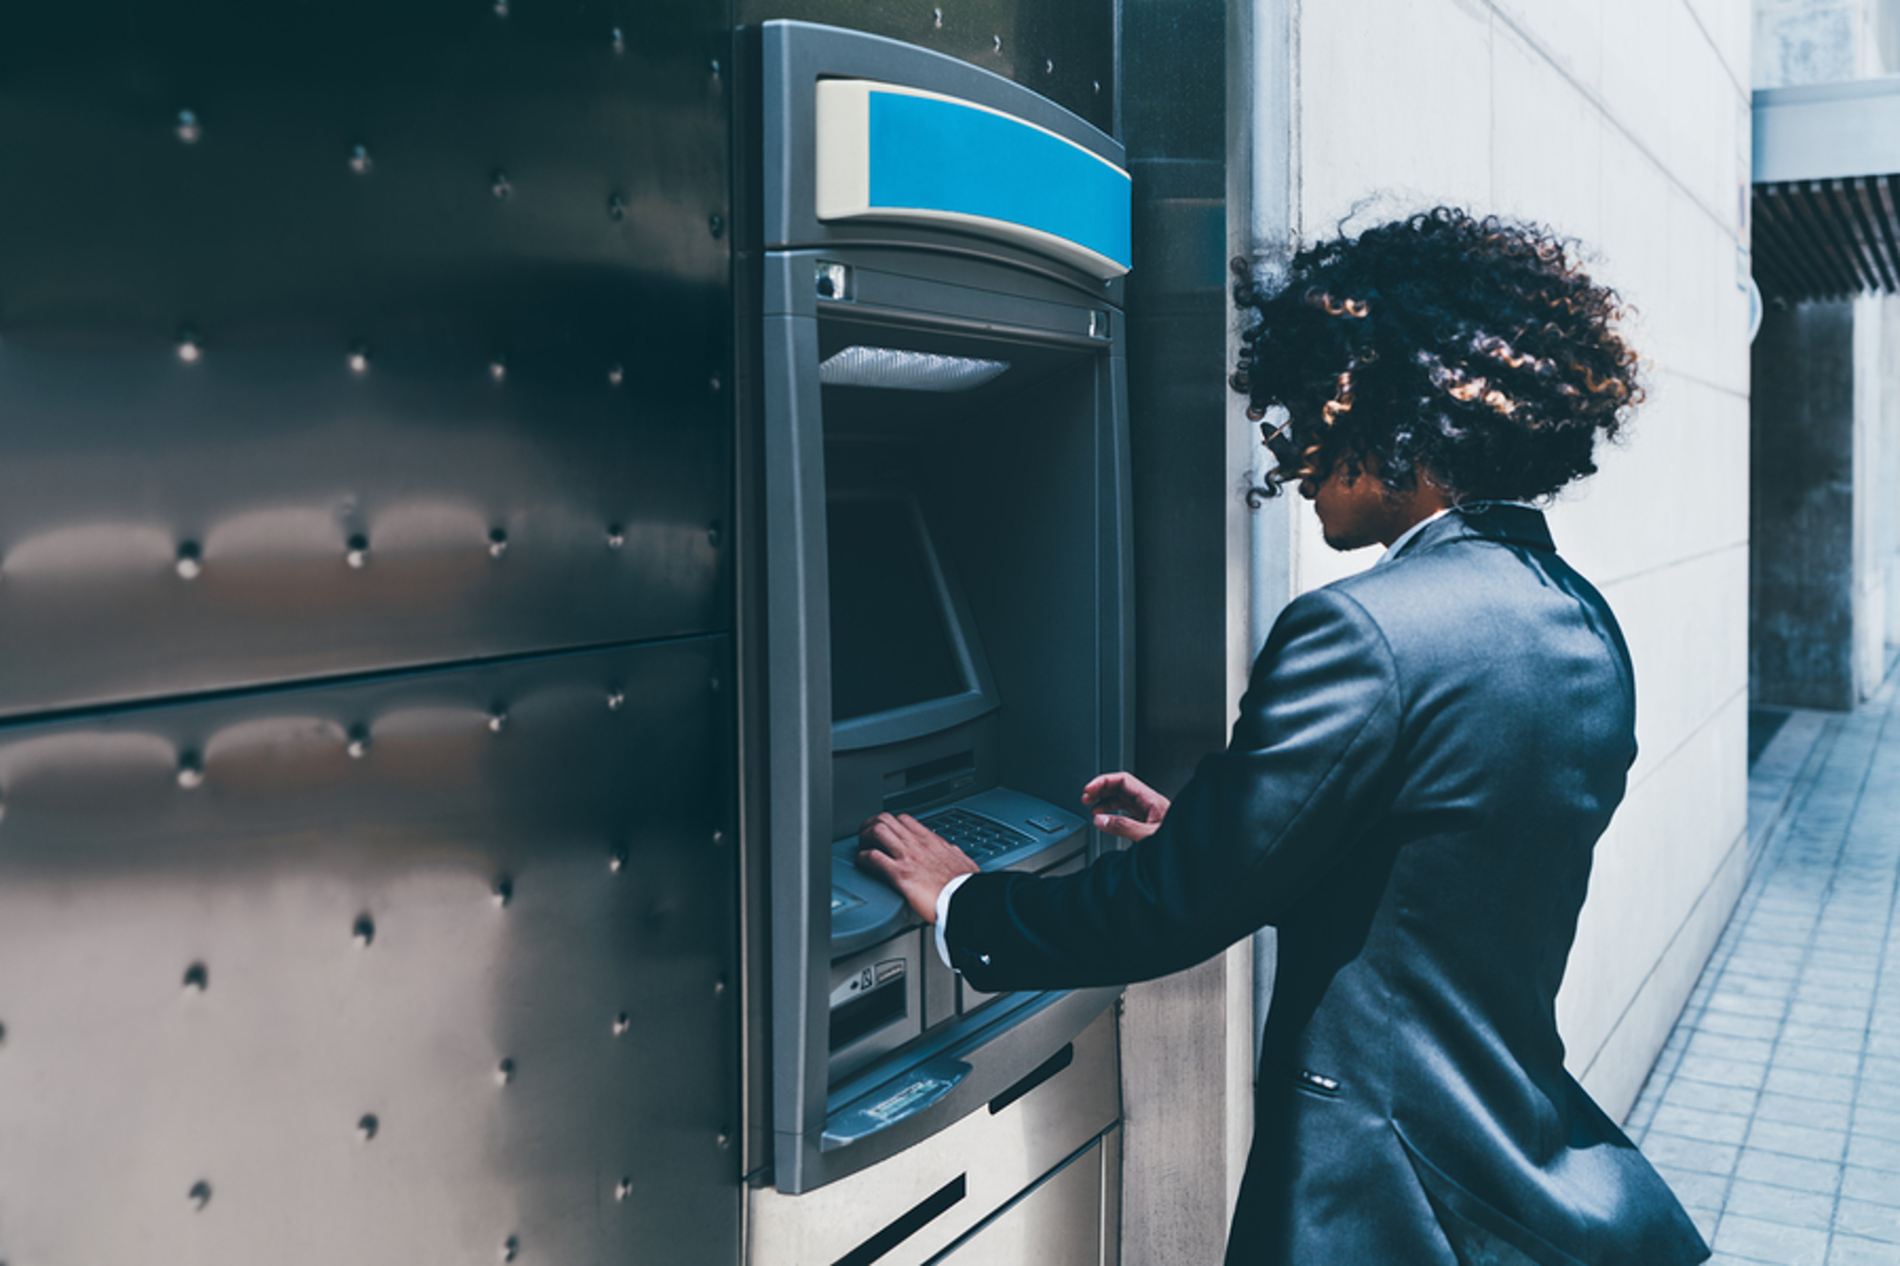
[[1424, 523], [1409, 533]]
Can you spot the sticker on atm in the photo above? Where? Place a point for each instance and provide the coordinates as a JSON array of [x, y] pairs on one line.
[[909, 1098]]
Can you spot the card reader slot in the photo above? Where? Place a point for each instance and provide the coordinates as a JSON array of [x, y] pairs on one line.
[[868, 1012]]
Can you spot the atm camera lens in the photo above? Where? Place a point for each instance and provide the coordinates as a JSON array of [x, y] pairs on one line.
[[834, 281]]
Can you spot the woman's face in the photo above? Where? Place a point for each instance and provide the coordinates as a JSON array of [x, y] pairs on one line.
[[1357, 509]]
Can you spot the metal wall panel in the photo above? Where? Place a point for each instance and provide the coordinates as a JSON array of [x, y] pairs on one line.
[[341, 337], [1064, 49], [432, 968]]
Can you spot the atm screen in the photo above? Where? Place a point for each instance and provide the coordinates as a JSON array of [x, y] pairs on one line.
[[890, 637]]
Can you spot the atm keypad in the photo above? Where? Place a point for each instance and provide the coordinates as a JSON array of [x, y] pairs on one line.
[[980, 838]]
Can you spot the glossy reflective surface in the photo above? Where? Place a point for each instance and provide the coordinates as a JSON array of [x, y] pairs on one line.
[[396, 1007], [1064, 49], [367, 873], [301, 306]]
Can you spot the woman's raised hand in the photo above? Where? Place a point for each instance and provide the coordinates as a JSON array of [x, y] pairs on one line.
[[1124, 805]]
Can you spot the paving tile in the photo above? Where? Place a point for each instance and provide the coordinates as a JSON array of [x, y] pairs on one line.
[[1709, 1097], [1817, 1059], [1790, 1139], [1881, 1123], [1803, 1085], [1789, 1171], [1874, 1153], [1741, 1074], [1831, 1017], [1814, 1112], [1876, 1186], [1847, 1250], [1694, 1123], [1780, 1204], [1883, 1095], [1771, 1241], [1869, 1221], [1695, 1190], [1750, 1050], [1734, 1025], [1696, 1155]]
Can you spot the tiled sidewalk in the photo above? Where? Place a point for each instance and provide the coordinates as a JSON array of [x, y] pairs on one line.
[[1774, 1110]]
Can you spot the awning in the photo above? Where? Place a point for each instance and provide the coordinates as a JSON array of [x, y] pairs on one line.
[[1827, 189]]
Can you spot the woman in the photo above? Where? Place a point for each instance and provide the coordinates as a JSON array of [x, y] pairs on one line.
[[1425, 757]]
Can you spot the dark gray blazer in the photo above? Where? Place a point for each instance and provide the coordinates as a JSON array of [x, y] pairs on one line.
[[1425, 756]]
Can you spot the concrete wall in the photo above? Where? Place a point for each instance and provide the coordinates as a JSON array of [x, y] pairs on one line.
[[1625, 123]]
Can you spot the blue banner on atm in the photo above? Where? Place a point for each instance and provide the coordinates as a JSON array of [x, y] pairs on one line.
[[891, 153]]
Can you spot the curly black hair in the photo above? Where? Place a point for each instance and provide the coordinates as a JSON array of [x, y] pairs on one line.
[[1475, 352]]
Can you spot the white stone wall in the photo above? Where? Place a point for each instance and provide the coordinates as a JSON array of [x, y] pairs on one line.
[[1623, 123]]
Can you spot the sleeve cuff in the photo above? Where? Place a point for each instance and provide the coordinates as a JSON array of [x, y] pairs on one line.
[[943, 917]]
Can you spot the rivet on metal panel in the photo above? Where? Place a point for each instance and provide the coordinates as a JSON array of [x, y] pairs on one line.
[[615, 699], [360, 161], [498, 369], [616, 209], [200, 1194], [717, 386], [501, 8], [504, 890], [190, 349], [367, 1125], [719, 839], [725, 1139], [358, 552], [716, 225], [497, 718], [617, 860], [505, 1072], [358, 744], [616, 375], [497, 542], [719, 986], [197, 978], [364, 930], [619, 40], [1096, 84], [999, 43], [713, 684], [939, 21], [616, 536], [190, 560], [191, 771], [510, 1248], [1048, 67], [359, 359], [499, 186], [712, 534], [622, 1023], [189, 130], [623, 1189]]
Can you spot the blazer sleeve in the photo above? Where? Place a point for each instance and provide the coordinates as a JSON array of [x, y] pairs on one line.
[[1306, 773]]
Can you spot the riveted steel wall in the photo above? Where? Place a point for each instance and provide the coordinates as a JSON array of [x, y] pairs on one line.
[[1066, 50], [367, 876]]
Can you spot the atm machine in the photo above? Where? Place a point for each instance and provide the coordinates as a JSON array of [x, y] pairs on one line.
[[942, 495]]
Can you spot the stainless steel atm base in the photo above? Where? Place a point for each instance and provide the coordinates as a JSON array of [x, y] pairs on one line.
[[1033, 1180]]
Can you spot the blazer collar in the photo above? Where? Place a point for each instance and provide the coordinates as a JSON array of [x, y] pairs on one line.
[[1483, 520]]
